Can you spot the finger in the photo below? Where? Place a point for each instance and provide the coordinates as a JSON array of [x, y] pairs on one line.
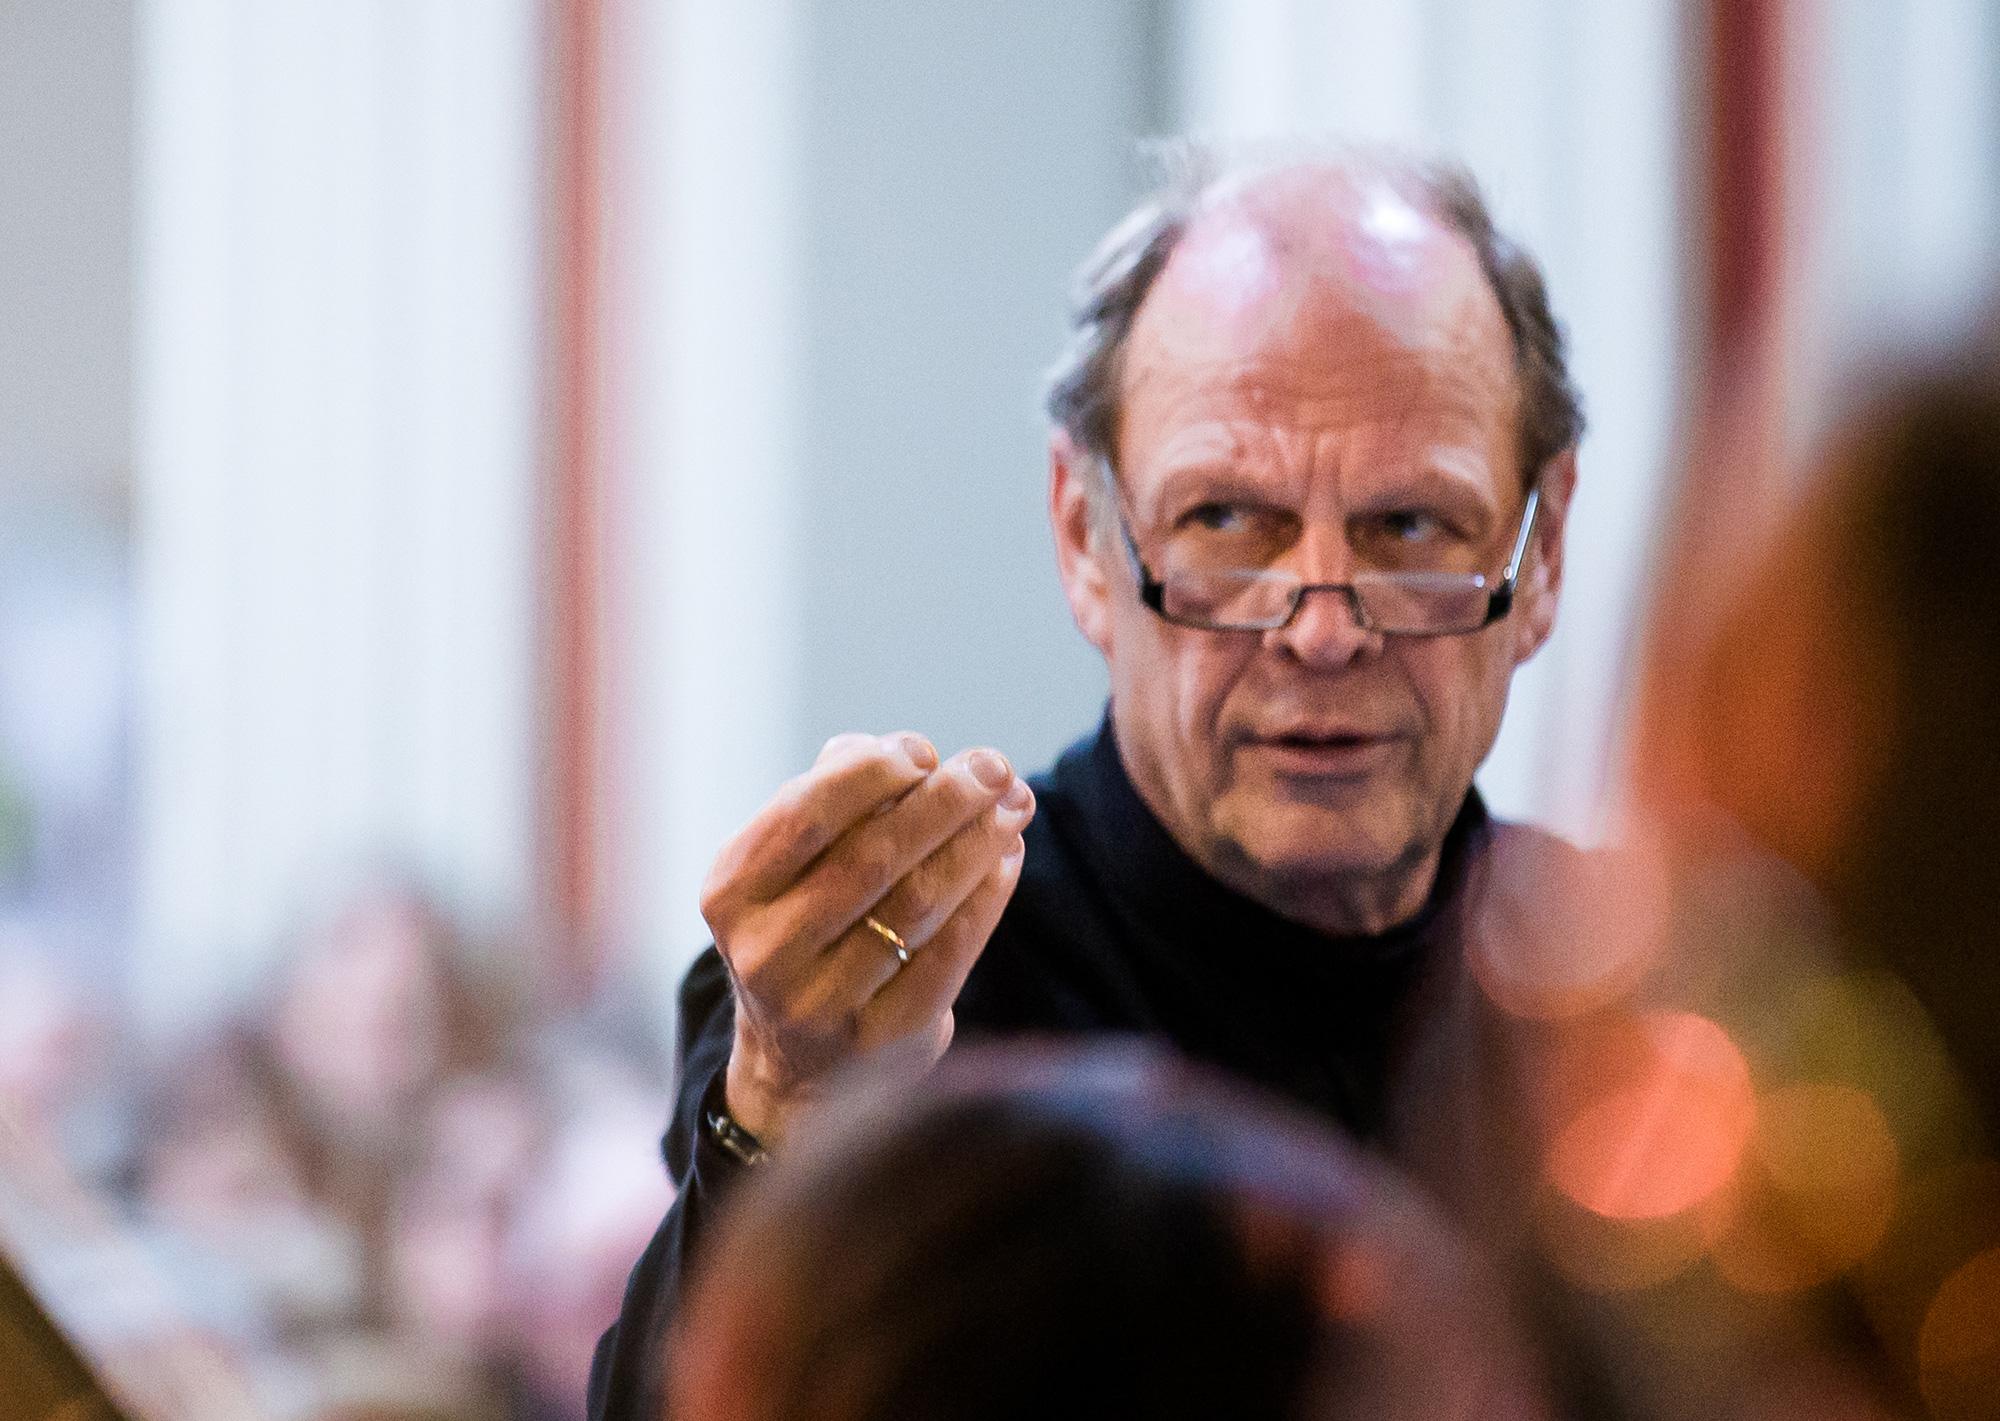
[[928, 754], [926, 897], [848, 741], [845, 742], [845, 978], [813, 810], [874, 855], [860, 962], [919, 995]]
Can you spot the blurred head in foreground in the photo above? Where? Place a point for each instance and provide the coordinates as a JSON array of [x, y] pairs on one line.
[[1852, 699], [1094, 1232], [1849, 710]]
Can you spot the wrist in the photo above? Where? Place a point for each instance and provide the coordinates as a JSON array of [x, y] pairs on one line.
[[752, 1103]]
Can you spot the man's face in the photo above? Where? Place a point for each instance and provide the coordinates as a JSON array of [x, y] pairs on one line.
[[1321, 374]]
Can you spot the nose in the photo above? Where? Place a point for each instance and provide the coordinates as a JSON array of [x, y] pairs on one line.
[[1325, 633]]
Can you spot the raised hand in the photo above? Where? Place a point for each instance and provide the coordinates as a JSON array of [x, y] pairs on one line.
[[876, 830]]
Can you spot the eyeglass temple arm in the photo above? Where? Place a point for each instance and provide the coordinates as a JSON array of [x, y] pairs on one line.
[[1152, 592], [1502, 601]]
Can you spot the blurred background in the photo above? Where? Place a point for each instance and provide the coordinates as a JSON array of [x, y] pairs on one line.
[[458, 456]]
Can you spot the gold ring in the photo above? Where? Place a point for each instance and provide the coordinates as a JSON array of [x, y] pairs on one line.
[[892, 937]]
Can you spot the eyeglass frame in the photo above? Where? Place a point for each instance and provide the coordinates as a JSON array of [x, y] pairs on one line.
[[1499, 602]]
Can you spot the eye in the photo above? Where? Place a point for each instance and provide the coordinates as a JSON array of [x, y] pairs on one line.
[[1412, 525], [1216, 517], [1228, 533]]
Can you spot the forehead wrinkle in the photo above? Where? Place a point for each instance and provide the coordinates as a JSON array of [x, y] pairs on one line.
[[1222, 441], [1282, 351], [1263, 400], [1368, 462]]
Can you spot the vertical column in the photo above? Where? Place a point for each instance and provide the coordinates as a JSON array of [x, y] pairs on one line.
[[702, 368], [335, 458], [1239, 66], [1906, 177], [1746, 109], [850, 229], [572, 765], [1949, 143], [1573, 116]]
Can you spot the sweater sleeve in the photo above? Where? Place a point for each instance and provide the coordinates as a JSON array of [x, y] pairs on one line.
[[626, 1374]]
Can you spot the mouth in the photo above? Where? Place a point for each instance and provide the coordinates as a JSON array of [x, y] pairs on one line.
[[1337, 754]]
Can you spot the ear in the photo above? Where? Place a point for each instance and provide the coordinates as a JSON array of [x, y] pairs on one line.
[[1085, 579], [1542, 570]]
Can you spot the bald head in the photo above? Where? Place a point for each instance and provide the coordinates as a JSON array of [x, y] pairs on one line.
[[1259, 236], [1327, 224]]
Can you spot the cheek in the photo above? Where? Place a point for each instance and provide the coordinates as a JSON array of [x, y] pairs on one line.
[[1461, 685], [1182, 676], [1173, 688], [1201, 671]]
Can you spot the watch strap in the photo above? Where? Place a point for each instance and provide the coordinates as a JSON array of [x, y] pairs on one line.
[[733, 1140]]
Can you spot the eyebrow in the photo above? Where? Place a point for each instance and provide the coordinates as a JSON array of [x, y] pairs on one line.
[[1216, 480], [1429, 480], [1221, 480]]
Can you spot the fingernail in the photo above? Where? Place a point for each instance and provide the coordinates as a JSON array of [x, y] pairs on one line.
[[922, 753], [1020, 797], [990, 768], [1012, 858]]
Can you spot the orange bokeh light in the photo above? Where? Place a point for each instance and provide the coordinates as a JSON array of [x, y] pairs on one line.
[[1662, 1111], [1818, 1193], [1582, 946]]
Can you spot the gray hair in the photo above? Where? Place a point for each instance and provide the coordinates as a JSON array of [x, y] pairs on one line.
[[1083, 387]]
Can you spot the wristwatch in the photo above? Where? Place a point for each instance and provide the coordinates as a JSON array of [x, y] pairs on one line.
[[735, 1141]]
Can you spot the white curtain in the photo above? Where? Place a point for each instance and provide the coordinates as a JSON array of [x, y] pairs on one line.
[[704, 443], [336, 286]]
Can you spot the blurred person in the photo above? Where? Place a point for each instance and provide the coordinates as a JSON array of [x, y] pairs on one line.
[[1312, 451], [516, 1217], [455, 1209], [1759, 1064], [377, 1009], [339, 1159], [55, 1049], [221, 1186], [588, 1206], [1853, 694], [377, 1005], [1848, 724], [1088, 1232]]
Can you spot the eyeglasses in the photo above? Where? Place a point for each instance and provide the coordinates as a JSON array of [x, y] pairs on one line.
[[1392, 603]]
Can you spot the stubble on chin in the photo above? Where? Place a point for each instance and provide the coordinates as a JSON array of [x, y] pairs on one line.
[[1332, 866]]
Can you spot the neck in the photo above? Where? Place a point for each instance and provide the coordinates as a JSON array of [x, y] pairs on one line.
[[1354, 904]]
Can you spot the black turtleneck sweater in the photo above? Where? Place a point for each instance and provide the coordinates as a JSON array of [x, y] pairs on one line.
[[1112, 929]]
